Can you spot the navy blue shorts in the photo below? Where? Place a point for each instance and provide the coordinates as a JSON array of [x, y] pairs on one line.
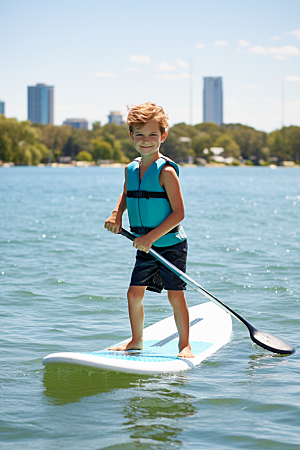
[[153, 274]]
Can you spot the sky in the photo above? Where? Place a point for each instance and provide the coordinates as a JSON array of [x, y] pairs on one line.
[[101, 55]]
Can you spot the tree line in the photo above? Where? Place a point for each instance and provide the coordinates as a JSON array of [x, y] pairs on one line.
[[25, 143]]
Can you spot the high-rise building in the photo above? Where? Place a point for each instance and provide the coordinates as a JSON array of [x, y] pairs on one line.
[[213, 100], [81, 124], [2, 107], [115, 117], [40, 104]]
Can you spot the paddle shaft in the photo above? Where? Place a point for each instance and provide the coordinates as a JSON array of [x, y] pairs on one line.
[[184, 277], [261, 338]]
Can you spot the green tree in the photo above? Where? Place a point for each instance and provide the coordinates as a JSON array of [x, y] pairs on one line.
[[292, 142], [117, 131], [102, 150], [55, 137], [96, 126], [249, 140], [19, 142], [174, 149], [276, 145], [6, 153], [231, 148], [202, 141], [128, 149], [78, 141], [210, 128], [84, 156]]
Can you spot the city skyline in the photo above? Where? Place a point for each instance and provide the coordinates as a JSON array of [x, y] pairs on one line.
[[136, 58]]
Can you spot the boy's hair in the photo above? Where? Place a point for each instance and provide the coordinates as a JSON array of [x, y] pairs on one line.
[[138, 116]]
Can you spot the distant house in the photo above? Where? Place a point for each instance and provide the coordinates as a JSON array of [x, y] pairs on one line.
[[81, 124], [217, 152]]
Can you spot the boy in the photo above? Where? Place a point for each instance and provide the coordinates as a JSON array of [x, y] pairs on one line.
[[155, 206]]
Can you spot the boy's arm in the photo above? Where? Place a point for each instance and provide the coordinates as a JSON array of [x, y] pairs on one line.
[[114, 222], [170, 182]]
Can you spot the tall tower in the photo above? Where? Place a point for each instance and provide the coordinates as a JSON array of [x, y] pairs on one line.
[[40, 103], [213, 100]]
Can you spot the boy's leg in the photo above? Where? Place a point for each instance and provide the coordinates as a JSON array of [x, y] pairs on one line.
[[135, 297], [181, 315]]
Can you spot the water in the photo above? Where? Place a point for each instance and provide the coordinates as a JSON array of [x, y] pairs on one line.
[[63, 288]]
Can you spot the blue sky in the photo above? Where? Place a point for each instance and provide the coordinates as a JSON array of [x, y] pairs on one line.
[[101, 55]]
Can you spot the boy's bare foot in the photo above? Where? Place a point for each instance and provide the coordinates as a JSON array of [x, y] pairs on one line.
[[186, 353], [129, 346]]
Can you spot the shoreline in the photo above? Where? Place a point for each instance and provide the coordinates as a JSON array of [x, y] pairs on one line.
[[87, 165]]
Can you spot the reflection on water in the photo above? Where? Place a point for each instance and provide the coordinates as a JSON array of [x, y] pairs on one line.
[[151, 411], [263, 360], [69, 384], [155, 418]]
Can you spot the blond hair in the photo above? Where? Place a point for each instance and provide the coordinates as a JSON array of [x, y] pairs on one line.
[[139, 115]]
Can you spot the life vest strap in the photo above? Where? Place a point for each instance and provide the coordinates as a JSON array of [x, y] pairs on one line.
[[146, 194], [145, 230]]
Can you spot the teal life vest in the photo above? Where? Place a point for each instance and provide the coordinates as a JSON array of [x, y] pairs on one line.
[[147, 202]]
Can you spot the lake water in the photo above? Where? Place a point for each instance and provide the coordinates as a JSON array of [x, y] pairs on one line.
[[63, 288]]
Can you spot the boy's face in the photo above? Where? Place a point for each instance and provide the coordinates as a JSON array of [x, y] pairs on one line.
[[147, 140]]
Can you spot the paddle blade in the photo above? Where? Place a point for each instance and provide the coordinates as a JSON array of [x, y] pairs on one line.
[[270, 342]]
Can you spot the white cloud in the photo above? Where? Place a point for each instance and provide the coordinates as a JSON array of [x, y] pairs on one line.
[[250, 87], [86, 106], [280, 53], [167, 76], [63, 108], [243, 43], [274, 38], [220, 43], [287, 50], [184, 75], [259, 50], [164, 66], [132, 69], [142, 59], [171, 76], [200, 45], [292, 78], [182, 63], [280, 57], [296, 33], [105, 74], [230, 102]]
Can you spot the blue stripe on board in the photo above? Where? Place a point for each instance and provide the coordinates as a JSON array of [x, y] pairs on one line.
[[153, 354], [174, 336]]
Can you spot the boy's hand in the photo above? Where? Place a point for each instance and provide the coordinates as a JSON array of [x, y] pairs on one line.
[[113, 225], [143, 243]]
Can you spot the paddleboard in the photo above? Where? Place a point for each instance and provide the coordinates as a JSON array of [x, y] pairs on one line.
[[210, 329]]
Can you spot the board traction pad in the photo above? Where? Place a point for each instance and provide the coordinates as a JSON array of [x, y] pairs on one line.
[[155, 351], [150, 353]]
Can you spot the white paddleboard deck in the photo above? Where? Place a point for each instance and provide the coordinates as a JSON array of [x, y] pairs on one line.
[[210, 329]]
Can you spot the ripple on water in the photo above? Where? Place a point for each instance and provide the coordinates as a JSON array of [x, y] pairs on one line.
[[64, 289]]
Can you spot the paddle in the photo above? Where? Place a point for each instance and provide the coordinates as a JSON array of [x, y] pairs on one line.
[[265, 340]]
